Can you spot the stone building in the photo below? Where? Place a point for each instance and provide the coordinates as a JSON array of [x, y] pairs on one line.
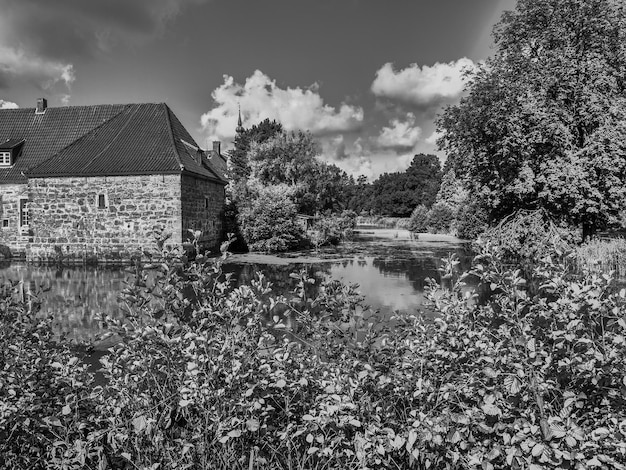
[[98, 181]]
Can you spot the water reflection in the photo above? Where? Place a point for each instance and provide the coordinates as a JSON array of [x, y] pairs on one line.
[[390, 273]]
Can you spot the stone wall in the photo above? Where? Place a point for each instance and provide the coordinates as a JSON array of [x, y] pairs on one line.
[[11, 235], [202, 210], [66, 218]]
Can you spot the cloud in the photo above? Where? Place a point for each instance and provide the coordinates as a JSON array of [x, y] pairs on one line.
[[15, 64], [363, 156], [423, 87], [432, 139], [260, 98], [62, 29], [400, 135], [8, 105]]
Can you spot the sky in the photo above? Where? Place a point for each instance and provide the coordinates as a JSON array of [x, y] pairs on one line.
[[366, 77]]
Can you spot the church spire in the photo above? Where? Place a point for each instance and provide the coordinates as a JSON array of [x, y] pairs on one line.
[[239, 128]]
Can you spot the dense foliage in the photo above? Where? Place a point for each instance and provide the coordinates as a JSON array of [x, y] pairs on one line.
[[397, 194], [239, 166], [207, 376], [543, 123], [331, 230], [418, 223], [284, 163], [268, 218], [471, 220], [440, 218], [291, 159]]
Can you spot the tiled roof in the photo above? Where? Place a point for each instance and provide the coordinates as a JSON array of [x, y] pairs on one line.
[[47, 133], [127, 140], [10, 144]]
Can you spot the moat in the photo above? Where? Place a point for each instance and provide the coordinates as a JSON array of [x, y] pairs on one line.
[[389, 267]]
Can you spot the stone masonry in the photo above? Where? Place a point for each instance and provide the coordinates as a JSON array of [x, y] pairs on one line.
[[67, 214], [202, 204], [10, 234]]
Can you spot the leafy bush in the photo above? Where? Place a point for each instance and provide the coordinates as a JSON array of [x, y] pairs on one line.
[[45, 391], [332, 230], [418, 223], [470, 221], [440, 218], [210, 376], [268, 219]]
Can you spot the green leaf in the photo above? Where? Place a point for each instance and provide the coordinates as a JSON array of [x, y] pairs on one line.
[[253, 424], [537, 449]]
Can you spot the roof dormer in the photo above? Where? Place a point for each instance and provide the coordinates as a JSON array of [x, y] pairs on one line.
[[9, 150]]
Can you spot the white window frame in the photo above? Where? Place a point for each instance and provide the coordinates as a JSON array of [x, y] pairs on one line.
[[5, 158], [24, 215]]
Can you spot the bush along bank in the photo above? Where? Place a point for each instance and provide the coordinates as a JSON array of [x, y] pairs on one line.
[[209, 376]]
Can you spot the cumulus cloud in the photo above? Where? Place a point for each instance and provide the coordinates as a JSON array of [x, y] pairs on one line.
[[432, 139], [362, 156], [260, 98], [423, 87], [8, 105], [400, 135], [70, 28], [17, 64]]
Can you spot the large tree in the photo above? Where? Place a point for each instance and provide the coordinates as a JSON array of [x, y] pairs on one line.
[[544, 121], [397, 194], [239, 167], [291, 158]]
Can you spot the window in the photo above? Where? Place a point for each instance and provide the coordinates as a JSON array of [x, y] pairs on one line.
[[206, 202], [24, 215], [5, 223], [5, 158], [102, 201]]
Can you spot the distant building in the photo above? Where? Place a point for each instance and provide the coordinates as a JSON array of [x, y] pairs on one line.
[[101, 179]]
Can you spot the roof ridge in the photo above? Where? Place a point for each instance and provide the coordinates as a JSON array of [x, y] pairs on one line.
[[108, 145], [81, 138], [171, 134]]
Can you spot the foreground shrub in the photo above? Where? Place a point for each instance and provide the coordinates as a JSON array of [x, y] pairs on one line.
[[267, 218], [45, 392], [209, 376], [440, 218], [418, 223]]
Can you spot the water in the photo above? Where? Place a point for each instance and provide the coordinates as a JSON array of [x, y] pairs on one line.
[[388, 266]]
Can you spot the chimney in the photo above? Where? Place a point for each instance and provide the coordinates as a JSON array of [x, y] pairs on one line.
[[42, 105], [216, 146]]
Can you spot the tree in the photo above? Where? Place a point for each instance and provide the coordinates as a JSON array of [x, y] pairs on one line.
[[268, 218], [291, 159], [239, 167], [397, 194], [544, 121]]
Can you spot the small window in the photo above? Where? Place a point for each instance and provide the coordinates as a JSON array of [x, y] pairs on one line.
[[24, 214], [5, 158], [103, 201], [5, 223], [206, 202]]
